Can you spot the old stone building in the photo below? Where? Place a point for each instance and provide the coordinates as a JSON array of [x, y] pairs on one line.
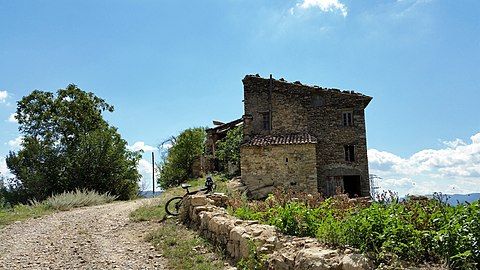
[[214, 135], [303, 137]]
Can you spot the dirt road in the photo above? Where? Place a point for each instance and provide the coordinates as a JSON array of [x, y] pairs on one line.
[[98, 237]]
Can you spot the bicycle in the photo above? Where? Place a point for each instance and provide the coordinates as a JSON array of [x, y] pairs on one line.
[[172, 207]]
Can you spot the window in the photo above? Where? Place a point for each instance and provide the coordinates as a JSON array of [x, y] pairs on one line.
[[317, 101], [347, 119], [349, 153], [266, 120]]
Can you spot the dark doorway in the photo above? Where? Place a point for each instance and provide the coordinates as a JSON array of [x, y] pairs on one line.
[[351, 184]]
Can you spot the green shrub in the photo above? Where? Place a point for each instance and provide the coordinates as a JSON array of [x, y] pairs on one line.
[[294, 218], [413, 230], [458, 239]]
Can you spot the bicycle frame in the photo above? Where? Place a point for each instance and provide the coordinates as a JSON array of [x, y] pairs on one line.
[[207, 189]]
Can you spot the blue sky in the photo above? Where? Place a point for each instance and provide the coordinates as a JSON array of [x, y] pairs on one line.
[[169, 65]]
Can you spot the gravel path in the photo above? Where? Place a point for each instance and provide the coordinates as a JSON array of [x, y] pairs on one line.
[[98, 237]]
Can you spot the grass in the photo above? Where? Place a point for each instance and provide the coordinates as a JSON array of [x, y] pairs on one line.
[[181, 247], [184, 249], [60, 202], [22, 212], [78, 198]]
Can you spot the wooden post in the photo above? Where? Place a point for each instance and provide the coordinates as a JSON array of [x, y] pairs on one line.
[[153, 173]]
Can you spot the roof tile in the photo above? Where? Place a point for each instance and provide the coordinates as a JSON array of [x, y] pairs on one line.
[[264, 140]]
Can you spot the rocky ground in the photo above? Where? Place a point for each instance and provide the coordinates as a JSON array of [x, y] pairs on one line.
[[98, 237]]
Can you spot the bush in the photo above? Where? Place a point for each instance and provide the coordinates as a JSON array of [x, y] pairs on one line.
[[77, 198], [413, 230]]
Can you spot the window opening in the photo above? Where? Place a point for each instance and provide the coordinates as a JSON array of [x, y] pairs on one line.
[[349, 153], [347, 119], [266, 120]]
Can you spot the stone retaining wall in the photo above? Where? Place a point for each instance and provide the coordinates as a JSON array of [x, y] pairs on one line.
[[207, 214]]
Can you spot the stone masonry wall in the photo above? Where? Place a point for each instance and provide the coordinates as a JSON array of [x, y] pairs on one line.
[[298, 108], [235, 237], [264, 168]]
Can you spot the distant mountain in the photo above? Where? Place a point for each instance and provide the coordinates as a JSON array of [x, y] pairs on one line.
[[149, 193], [454, 199]]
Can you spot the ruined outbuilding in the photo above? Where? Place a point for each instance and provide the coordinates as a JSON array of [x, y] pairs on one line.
[[303, 137], [214, 135]]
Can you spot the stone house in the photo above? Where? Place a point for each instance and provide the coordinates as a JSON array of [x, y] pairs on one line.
[[303, 137]]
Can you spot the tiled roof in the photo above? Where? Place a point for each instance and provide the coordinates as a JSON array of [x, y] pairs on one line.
[[264, 140]]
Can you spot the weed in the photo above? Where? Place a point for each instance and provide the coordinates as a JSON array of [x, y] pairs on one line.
[[415, 230]]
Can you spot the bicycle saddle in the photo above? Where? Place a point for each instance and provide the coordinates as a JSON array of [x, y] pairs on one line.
[[186, 186]]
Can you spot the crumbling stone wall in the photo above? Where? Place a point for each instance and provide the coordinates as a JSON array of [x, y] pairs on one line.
[[298, 108], [206, 214], [267, 167]]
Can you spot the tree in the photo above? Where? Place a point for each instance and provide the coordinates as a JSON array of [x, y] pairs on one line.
[[176, 166], [228, 149], [68, 145]]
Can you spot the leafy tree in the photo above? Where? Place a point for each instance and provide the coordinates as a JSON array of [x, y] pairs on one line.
[[228, 149], [176, 166], [68, 145]]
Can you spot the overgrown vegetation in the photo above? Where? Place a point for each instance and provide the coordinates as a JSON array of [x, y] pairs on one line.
[[60, 202], [67, 145], [182, 248], [176, 165], [254, 261], [228, 149], [413, 230]]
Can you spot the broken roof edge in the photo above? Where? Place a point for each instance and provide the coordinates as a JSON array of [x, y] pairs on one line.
[[230, 124], [313, 87], [281, 139]]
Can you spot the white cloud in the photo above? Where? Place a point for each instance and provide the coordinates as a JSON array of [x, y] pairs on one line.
[[455, 168], [323, 5], [12, 119], [4, 171], [145, 169], [3, 96], [167, 146], [141, 146], [16, 143]]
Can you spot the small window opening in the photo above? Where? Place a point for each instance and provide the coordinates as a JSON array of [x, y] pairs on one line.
[[286, 159], [266, 120], [349, 153], [347, 119], [317, 101]]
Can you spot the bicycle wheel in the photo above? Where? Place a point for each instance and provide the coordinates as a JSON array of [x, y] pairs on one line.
[[172, 207]]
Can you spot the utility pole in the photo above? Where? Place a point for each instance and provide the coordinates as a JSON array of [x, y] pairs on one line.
[[153, 173], [270, 86]]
